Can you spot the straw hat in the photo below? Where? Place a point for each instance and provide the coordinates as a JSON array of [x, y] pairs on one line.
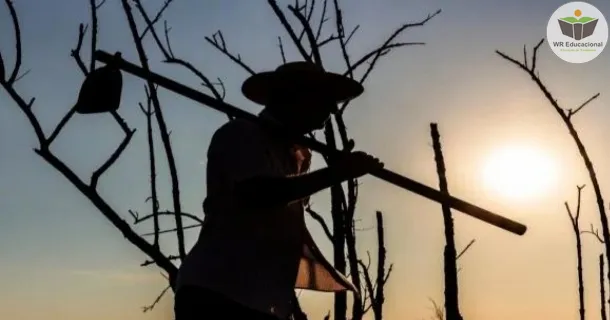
[[300, 78]]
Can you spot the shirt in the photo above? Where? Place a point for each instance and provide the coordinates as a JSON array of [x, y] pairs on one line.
[[255, 257]]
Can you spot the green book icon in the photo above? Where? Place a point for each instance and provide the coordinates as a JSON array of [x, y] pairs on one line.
[[577, 28]]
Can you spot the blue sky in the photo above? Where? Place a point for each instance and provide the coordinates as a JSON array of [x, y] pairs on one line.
[[62, 260]]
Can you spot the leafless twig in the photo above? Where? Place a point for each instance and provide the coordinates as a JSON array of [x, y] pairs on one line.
[[138, 219], [384, 49], [316, 216], [151, 306], [217, 41], [595, 232], [461, 253]]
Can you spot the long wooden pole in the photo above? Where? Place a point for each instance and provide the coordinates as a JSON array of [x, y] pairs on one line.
[[384, 174]]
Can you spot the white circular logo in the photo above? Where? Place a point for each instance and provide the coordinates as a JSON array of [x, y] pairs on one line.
[[577, 32]]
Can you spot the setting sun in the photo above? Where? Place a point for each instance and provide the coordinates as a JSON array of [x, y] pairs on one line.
[[519, 172]]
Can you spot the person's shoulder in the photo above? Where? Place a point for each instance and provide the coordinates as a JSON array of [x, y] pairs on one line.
[[237, 129], [239, 126]]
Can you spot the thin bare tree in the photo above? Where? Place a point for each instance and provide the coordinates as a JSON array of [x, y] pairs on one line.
[[450, 255], [375, 288], [528, 65], [439, 311], [452, 307], [575, 220], [602, 289]]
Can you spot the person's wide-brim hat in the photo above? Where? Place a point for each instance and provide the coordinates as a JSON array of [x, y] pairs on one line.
[[299, 78]]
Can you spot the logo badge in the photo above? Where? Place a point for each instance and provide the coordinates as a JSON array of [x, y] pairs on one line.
[[577, 32]]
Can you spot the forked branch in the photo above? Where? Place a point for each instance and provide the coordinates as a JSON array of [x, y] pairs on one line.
[[218, 41], [381, 51], [316, 216], [376, 290], [575, 219]]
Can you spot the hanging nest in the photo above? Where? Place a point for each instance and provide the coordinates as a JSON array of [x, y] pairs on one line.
[[101, 91]]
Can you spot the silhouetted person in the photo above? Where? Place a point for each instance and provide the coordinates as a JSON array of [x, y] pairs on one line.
[[254, 248]]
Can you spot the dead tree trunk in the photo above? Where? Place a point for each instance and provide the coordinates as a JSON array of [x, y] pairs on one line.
[[338, 216], [450, 265], [575, 220], [375, 290], [602, 290], [379, 298]]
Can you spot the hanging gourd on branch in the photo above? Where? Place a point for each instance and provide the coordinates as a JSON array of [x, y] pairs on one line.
[[101, 90]]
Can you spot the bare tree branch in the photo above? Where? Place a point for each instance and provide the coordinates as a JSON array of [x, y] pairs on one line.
[[461, 253], [376, 290], [94, 29], [323, 19], [279, 39], [165, 139], [138, 219], [595, 233], [151, 262], [342, 42], [439, 313], [18, 53], [218, 42], [315, 52], [75, 53], [148, 112], [392, 37], [573, 112], [2, 68], [316, 216], [151, 22], [168, 53], [82, 30], [172, 230], [383, 50], [368, 283], [574, 219], [109, 213], [328, 40], [307, 12], [151, 306], [280, 15], [351, 34]]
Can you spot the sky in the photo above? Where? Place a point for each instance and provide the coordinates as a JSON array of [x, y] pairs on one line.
[[61, 259]]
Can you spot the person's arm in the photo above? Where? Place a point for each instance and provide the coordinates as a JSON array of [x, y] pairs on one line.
[[239, 151], [262, 191], [265, 191]]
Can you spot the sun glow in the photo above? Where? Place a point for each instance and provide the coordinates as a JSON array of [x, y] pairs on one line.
[[519, 172]]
